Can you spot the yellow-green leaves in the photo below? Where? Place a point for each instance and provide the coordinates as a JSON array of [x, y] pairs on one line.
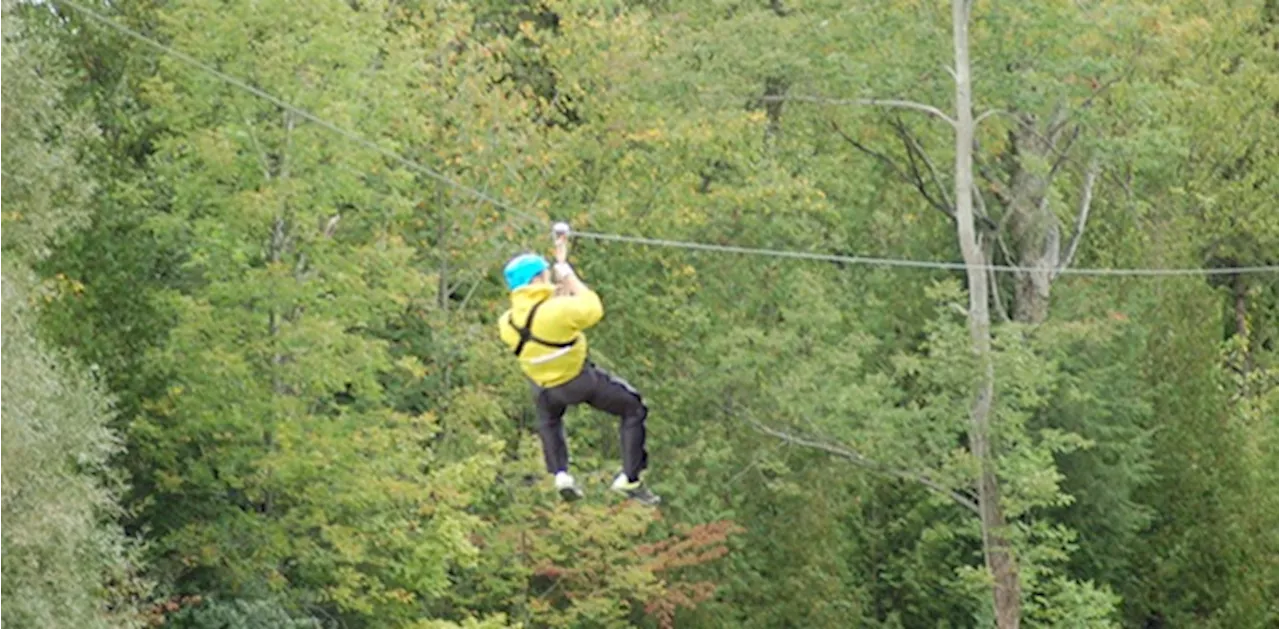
[[48, 186]]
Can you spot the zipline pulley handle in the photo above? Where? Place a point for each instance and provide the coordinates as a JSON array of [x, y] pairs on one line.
[[561, 232]]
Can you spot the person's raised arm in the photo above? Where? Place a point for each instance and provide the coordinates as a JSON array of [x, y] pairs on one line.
[[584, 304]]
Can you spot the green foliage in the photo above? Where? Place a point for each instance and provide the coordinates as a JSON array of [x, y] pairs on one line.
[[1251, 424], [1103, 397], [298, 477], [497, 621], [46, 190], [67, 560], [1213, 495], [321, 424], [255, 614]]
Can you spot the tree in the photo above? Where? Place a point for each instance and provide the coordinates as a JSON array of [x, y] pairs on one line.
[[297, 477], [323, 426], [47, 185], [996, 548], [728, 188], [67, 560]]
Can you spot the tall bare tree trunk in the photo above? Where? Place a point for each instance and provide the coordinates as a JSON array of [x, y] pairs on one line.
[[996, 548]]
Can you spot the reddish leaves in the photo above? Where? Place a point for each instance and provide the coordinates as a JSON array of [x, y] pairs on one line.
[[585, 557], [693, 547], [156, 615]]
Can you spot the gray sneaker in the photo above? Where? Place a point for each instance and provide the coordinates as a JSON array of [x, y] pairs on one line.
[[636, 491], [567, 487]]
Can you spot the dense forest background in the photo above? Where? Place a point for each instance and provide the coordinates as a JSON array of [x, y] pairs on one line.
[[252, 377]]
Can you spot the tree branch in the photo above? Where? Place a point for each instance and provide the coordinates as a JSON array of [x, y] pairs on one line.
[[915, 178], [997, 187], [1002, 313], [1062, 154], [1082, 216], [470, 292], [982, 210], [987, 114], [1004, 247], [982, 205], [858, 459], [1057, 122], [1052, 143], [988, 242], [865, 102], [913, 147], [914, 181]]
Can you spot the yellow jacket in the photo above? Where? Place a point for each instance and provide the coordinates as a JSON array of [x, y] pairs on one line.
[[560, 319]]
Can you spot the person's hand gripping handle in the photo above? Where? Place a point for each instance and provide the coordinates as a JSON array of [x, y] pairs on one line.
[[567, 281], [561, 233]]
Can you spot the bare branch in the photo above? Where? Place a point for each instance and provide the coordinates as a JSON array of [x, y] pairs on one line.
[[1061, 116], [1004, 246], [988, 113], [755, 461], [914, 181], [915, 178], [862, 461], [982, 210], [913, 146], [988, 242], [982, 203], [1002, 313], [865, 102], [1082, 216], [331, 226], [471, 292], [1062, 154]]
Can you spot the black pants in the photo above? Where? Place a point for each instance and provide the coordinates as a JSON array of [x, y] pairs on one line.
[[603, 391]]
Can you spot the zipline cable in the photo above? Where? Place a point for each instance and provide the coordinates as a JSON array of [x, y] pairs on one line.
[[499, 203], [897, 262]]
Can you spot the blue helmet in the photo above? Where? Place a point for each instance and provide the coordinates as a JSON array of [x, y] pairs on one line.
[[523, 268]]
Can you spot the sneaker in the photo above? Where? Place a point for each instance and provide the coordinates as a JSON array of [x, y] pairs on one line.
[[568, 489], [635, 491]]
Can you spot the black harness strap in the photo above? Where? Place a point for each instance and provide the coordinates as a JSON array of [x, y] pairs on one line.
[[526, 333]]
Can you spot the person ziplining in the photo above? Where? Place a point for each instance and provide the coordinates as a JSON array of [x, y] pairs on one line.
[[544, 328]]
